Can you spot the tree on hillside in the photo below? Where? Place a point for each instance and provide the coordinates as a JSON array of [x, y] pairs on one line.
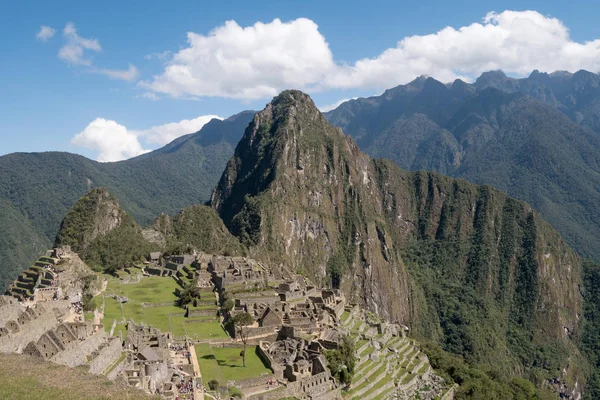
[[240, 322], [228, 304], [341, 361], [190, 293]]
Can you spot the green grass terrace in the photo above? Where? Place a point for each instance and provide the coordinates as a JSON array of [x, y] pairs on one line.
[[225, 364], [152, 302]]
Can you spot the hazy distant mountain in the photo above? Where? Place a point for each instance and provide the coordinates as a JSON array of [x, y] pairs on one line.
[[536, 138], [37, 189]]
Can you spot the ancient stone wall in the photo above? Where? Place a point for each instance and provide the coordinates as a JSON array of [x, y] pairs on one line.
[[163, 304], [78, 354], [107, 356], [29, 332], [251, 382], [208, 312]]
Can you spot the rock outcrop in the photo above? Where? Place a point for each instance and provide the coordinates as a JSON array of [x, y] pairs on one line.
[[95, 214]]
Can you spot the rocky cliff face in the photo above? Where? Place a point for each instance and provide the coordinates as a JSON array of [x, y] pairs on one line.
[[95, 214], [102, 233], [461, 264], [194, 228]]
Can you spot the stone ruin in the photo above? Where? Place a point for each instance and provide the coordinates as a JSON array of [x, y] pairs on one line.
[[47, 331], [301, 364]]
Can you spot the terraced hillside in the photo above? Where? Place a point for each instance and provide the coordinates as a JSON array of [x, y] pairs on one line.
[[387, 364], [35, 277]]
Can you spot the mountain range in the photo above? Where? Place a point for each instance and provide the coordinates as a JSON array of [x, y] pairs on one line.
[[536, 138], [465, 267], [37, 189]]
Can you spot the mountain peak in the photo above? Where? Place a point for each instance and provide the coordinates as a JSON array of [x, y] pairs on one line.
[[281, 139], [490, 78], [95, 214]]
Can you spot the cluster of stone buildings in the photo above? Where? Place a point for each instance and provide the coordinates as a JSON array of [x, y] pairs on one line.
[[301, 364], [47, 330], [154, 363], [294, 323], [294, 303]]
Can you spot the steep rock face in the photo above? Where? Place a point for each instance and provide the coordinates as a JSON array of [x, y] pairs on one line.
[[298, 192], [102, 233], [528, 137], [194, 228], [93, 215], [464, 265]]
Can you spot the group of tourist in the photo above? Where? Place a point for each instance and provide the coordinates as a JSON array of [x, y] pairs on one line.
[[178, 347], [187, 387]]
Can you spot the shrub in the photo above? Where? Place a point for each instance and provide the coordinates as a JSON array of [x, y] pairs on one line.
[[213, 384]]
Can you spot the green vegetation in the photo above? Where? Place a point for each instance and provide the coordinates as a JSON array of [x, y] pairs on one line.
[[213, 384], [200, 226], [119, 248], [189, 293], [590, 338], [341, 361], [240, 322], [105, 237], [488, 134], [38, 189], [28, 378], [464, 265], [481, 383], [109, 240], [226, 364], [141, 307]]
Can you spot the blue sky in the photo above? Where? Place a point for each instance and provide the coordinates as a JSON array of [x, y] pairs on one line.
[[98, 81]]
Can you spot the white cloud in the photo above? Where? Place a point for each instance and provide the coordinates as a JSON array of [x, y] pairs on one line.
[[128, 74], [162, 56], [46, 33], [515, 42], [166, 133], [247, 62], [73, 52], [335, 105], [260, 60], [114, 142], [148, 95], [73, 49]]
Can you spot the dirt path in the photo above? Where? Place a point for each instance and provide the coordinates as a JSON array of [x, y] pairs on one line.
[[198, 394]]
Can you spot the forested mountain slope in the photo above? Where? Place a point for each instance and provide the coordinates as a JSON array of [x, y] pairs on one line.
[[532, 138], [37, 189]]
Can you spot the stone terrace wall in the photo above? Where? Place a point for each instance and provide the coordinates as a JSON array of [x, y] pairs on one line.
[[208, 312], [29, 332], [78, 354], [251, 382], [123, 365], [107, 356]]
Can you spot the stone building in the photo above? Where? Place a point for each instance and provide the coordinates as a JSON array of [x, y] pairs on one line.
[[301, 364]]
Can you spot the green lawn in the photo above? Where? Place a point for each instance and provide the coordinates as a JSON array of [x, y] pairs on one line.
[[204, 330], [225, 364], [209, 368], [152, 290]]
